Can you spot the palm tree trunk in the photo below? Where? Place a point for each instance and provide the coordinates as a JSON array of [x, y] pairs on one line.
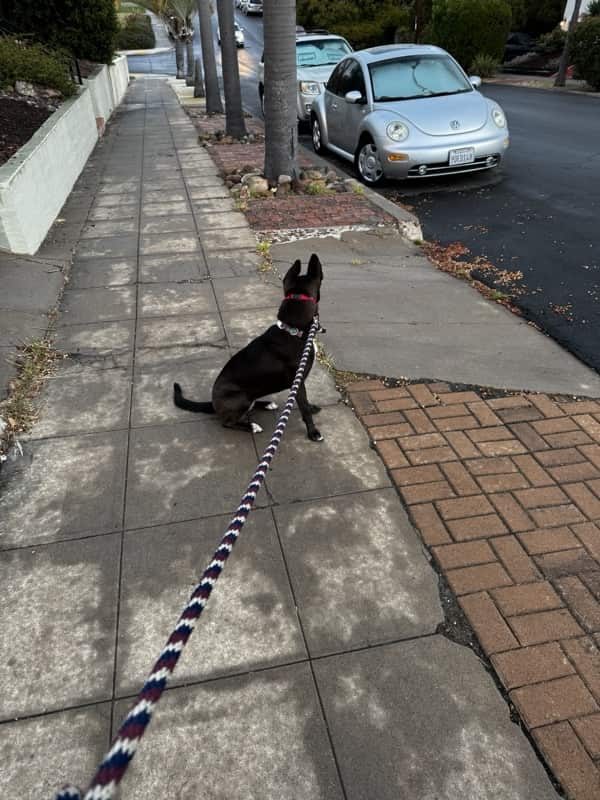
[[189, 51], [198, 79], [234, 119], [179, 57], [564, 56], [211, 81], [281, 123]]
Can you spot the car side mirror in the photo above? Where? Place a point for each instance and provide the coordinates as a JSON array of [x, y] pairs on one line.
[[353, 97], [475, 81]]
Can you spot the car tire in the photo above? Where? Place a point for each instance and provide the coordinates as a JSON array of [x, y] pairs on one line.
[[367, 162], [316, 133]]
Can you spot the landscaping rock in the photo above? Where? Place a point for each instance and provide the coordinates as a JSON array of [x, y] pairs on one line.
[[311, 175], [258, 186], [250, 176], [25, 88], [284, 180]]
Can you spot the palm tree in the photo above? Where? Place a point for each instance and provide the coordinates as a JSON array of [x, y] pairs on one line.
[[563, 64], [281, 124], [211, 81], [184, 12], [234, 120]]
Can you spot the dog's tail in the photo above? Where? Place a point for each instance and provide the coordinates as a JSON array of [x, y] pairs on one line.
[[190, 405]]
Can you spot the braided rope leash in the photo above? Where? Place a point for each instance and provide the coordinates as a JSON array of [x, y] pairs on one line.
[[115, 763]]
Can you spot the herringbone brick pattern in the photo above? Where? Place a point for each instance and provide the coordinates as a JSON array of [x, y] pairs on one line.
[[506, 494]]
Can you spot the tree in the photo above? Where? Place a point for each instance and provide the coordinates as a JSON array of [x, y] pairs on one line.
[[281, 121], [564, 56], [363, 22], [86, 28], [468, 28], [211, 81], [542, 16], [234, 115]]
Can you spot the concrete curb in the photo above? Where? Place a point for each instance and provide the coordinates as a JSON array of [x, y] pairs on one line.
[[545, 87], [408, 223]]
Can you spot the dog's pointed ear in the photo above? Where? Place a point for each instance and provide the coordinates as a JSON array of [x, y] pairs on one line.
[[315, 270], [292, 274]]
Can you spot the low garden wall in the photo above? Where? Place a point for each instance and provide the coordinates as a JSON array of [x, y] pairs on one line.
[[37, 180]]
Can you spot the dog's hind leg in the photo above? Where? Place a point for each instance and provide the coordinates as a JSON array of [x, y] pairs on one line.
[[306, 411]]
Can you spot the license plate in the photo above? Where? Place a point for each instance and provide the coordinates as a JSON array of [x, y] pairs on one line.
[[465, 155]]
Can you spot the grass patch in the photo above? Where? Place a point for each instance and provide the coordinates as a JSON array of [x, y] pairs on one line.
[[35, 361]]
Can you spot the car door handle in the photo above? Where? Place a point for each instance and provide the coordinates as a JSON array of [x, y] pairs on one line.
[[334, 105]]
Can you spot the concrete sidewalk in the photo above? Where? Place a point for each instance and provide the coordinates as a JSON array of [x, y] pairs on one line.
[[317, 671]]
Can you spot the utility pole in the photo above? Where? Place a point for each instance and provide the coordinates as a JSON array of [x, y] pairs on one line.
[[564, 57]]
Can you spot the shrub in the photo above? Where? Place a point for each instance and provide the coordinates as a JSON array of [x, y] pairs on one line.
[[86, 28], [543, 15], [553, 41], [484, 66], [469, 28], [584, 50], [136, 33], [594, 8], [363, 22], [35, 64]]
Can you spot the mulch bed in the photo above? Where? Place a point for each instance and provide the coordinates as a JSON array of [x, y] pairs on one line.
[[291, 212], [304, 211], [215, 123], [230, 157], [19, 120]]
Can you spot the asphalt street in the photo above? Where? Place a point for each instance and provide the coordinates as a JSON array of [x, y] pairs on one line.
[[535, 219]]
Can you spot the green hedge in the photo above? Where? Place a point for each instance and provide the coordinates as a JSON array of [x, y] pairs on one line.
[[86, 28], [470, 28], [584, 50], [364, 23], [136, 33], [35, 64]]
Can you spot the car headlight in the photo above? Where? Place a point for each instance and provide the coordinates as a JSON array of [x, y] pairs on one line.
[[310, 87], [499, 118], [397, 131]]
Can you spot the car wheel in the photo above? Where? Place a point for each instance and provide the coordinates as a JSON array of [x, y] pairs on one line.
[[368, 163], [317, 135]]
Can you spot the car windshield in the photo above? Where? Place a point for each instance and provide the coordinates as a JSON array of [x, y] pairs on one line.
[[417, 76], [318, 53]]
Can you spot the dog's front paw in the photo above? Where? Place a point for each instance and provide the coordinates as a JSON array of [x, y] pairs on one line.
[[315, 436], [313, 409]]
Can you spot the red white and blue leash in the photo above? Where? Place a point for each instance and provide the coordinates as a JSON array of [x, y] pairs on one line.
[[115, 763]]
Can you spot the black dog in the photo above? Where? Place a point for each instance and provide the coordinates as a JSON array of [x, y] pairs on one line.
[[268, 364]]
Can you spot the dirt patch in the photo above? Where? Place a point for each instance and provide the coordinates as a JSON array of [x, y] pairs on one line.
[[302, 211], [19, 120]]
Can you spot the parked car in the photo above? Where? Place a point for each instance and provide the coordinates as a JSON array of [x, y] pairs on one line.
[[252, 7], [518, 44], [317, 53], [407, 111], [239, 35]]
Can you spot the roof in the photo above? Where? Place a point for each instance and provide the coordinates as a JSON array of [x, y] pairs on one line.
[[311, 37], [386, 51]]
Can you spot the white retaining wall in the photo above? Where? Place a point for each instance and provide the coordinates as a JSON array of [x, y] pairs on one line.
[[107, 87], [37, 180]]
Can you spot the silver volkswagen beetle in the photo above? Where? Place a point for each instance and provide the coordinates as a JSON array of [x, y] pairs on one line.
[[407, 111]]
